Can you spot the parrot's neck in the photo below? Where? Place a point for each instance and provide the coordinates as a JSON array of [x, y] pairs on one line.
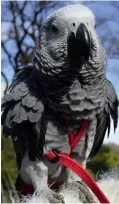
[[93, 71], [57, 85], [60, 83]]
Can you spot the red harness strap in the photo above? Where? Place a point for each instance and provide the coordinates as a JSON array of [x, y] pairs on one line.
[[75, 166], [74, 139]]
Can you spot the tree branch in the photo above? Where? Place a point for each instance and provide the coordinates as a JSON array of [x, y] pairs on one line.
[[6, 82]]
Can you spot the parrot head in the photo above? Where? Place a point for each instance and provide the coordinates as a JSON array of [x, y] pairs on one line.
[[68, 37]]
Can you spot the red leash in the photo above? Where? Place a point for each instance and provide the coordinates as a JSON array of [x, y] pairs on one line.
[[80, 171], [68, 162]]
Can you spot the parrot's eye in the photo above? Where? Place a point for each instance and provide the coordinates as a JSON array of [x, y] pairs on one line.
[[54, 29]]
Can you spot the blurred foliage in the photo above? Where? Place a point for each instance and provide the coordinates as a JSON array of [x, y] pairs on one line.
[[8, 169], [107, 158]]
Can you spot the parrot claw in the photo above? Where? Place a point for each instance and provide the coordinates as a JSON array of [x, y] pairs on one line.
[[49, 196], [54, 197], [84, 194], [79, 192]]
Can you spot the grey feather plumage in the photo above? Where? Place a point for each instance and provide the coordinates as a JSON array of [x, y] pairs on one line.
[[23, 107], [23, 98], [104, 119], [65, 84]]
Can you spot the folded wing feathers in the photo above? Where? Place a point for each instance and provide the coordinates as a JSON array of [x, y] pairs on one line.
[[103, 120], [112, 103], [22, 103], [23, 113]]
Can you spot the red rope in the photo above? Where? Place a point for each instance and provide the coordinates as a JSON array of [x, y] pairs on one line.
[[80, 171]]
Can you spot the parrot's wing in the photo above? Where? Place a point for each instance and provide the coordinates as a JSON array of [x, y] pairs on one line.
[[22, 109], [103, 121]]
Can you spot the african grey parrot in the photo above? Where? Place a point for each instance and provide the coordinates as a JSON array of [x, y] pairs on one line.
[[65, 83]]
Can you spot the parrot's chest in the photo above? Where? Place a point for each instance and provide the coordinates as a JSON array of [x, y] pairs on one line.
[[80, 102]]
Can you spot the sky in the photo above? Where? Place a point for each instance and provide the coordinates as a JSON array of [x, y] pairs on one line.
[[107, 17]]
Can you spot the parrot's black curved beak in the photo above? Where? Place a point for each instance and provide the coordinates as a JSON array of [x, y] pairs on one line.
[[79, 44]]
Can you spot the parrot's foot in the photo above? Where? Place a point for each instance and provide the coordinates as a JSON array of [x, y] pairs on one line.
[[75, 192], [84, 194], [36, 173], [54, 197], [50, 195]]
